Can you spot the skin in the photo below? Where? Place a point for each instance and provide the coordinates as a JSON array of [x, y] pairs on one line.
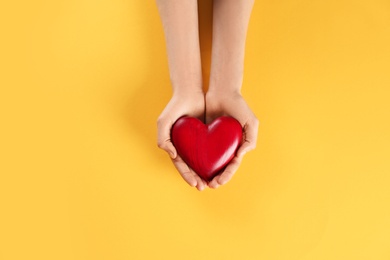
[[230, 23]]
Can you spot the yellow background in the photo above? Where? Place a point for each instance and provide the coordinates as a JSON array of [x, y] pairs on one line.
[[83, 82]]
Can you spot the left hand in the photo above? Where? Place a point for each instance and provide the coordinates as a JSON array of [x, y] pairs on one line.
[[191, 104]]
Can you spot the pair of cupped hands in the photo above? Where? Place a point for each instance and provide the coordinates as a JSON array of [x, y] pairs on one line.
[[208, 107]]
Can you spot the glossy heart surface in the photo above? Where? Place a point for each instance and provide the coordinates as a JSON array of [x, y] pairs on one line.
[[207, 149]]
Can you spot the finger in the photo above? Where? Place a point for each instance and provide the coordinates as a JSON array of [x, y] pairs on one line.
[[250, 138], [186, 173], [204, 184], [201, 184], [230, 170], [164, 138], [214, 182], [169, 148]]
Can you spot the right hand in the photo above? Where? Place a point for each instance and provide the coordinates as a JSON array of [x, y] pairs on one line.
[[234, 105], [184, 104]]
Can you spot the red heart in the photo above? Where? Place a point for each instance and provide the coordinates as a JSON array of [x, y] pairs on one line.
[[207, 149]]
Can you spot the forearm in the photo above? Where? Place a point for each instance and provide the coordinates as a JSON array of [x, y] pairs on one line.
[[180, 22], [230, 23]]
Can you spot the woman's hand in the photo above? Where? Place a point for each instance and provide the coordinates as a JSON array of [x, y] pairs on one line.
[[189, 104], [234, 105]]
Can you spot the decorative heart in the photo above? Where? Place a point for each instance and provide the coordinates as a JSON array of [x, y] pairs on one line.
[[207, 149]]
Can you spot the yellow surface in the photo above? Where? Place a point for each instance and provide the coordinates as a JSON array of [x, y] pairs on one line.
[[82, 83]]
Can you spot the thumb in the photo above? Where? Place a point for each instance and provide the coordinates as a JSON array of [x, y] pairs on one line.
[[250, 139], [164, 138], [244, 148], [169, 148]]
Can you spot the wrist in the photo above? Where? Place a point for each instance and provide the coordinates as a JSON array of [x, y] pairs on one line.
[[220, 94], [190, 93], [187, 88], [186, 83], [227, 81]]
